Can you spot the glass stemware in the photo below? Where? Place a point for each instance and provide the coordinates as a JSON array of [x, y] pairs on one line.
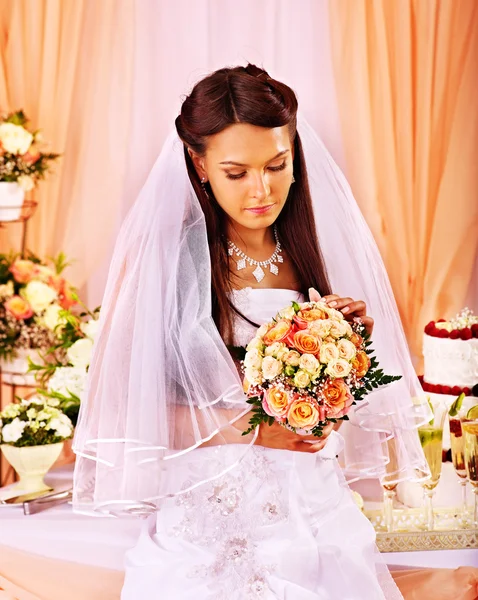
[[470, 433], [431, 439]]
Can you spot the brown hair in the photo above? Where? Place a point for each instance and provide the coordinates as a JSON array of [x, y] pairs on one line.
[[249, 95]]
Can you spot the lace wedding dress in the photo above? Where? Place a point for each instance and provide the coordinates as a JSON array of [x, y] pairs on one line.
[[279, 525]]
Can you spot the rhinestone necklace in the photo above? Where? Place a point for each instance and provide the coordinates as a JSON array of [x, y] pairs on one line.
[[258, 272]]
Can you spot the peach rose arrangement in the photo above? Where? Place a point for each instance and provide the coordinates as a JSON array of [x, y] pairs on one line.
[[33, 293], [307, 367]]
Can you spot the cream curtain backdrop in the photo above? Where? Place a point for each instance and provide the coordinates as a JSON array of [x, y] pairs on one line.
[[408, 95]]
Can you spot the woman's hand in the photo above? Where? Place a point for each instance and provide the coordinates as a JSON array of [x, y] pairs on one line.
[[351, 309], [276, 436]]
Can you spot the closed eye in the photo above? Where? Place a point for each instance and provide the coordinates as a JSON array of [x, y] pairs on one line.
[[241, 175]]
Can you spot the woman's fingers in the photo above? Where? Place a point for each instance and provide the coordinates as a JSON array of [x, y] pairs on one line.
[[314, 295]]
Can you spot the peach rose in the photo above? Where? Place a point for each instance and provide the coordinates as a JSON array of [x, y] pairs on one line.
[[306, 343], [22, 270], [276, 402], [356, 339], [321, 328], [18, 308], [309, 363], [253, 359], [339, 329], [304, 413], [328, 352], [292, 358], [301, 379], [361, 364], [277, 350], [337, 398], [346, 349], [271, 367], [67, 297], [338, 368], [308, 315], [278, 333], [57, 282]]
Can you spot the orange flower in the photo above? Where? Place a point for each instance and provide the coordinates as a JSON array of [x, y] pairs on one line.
[[18, 308], [22, 270], [278, 332], [65, 297], [337, 398], [276, 402], [306, 343], [304, 413], [356, 339], [361, 364], [304, 317]]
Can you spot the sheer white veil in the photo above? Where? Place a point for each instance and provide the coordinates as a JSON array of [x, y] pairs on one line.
[[161, 381]]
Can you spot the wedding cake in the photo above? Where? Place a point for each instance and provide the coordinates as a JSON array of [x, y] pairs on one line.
[[450, 350]]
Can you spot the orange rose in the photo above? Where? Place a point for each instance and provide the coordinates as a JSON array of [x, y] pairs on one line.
[[304, 317], [276, 402], [337, 398], [304, 413], [31, 157], [22, 270], [18, 308], [56, 282], [361, 364], [278, 333], [356, 339], [306, 343], [66, 297]]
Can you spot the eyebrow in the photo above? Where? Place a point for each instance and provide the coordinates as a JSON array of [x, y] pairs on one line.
[[231, 162]]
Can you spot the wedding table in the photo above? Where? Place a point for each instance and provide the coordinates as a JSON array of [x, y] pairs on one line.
[[57, 554]]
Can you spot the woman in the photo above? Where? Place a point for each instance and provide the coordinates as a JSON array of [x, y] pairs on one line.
[[225, 233]]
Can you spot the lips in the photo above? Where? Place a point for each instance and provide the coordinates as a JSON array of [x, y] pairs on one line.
[[259, 210]]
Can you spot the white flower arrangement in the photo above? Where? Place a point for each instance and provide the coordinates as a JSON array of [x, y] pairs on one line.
[[34, 422]]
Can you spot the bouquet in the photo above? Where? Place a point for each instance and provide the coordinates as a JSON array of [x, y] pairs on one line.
[[32, 295], [21, 159], [34, 422], [307, 367], [63, 376]]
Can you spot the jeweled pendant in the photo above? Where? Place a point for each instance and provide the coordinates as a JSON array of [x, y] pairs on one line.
[[230, 251], [274, 270], [280, 258], [258, 274], [241, 264]]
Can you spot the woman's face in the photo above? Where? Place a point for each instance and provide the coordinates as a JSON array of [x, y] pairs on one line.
[[249, 169]]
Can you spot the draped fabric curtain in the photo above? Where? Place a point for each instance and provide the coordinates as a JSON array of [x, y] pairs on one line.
[[407, 86]]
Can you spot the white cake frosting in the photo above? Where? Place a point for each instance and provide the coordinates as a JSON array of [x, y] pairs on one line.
[[450, 362]]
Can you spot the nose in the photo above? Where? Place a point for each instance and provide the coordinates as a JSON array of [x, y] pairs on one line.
[[260, 186]]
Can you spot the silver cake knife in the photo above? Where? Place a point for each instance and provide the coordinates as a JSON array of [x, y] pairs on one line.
[[31, 507]]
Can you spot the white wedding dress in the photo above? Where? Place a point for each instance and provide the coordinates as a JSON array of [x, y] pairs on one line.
[[279, 525]]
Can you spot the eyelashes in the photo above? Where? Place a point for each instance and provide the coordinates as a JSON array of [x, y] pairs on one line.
[[275, 169]]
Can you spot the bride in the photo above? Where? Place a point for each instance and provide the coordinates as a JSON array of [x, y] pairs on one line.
[[243, 213]]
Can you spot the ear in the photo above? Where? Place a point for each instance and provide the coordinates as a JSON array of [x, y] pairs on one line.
[[198, 163]]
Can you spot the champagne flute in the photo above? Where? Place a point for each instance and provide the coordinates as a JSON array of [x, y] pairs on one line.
[[389, 484], [457, 412], [470, 430], [431, 438]]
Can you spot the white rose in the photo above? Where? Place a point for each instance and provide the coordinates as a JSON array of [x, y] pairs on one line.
[[301, 379], [286, 313], [309, 363], [90, 328], [38, 295], [328, 352], [336, 314], [68, 380], [253, 360], [339, 328], [271, 367], [13, 431], [253, 376], [15, 139], [292, 358], [7, 290], [346, 349], [255, 344], [26, 182], [51, 316], [321, 328], [338, 368], [79, 354], [277, 350], [263, 329], [62, 428]]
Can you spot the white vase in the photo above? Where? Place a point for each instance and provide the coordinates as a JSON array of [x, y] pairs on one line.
[[14, 370], [31, 463], [12, 197]]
